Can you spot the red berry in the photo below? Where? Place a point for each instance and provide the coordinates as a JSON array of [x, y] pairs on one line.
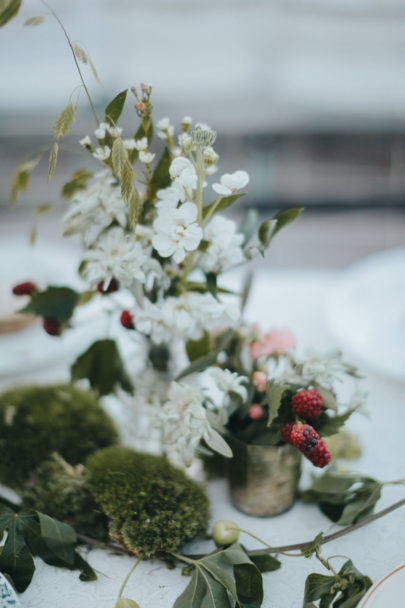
[[255, 411], [320, 456], [24, 289], [111, 287], [52, 327], [127, 320], [307, 404], [285, 432], [304, 438]]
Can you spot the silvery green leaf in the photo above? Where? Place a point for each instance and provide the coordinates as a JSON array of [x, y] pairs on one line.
[[217, 443]]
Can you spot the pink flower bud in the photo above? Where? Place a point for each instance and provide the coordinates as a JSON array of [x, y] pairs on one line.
[[260, 381], [255, 411]]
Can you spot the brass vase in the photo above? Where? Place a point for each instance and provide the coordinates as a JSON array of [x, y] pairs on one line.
[[263, 479]]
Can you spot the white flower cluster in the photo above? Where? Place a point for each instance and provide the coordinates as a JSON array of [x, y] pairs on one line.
[[99, 204], [315, 368], [224, 245], [185, 423], [185, 317]]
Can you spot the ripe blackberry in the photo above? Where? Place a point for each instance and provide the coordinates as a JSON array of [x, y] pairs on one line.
[[52, 327], [24, 289], [304, 438], [307, 404], [127, 320], [285, 432], [320, 456]]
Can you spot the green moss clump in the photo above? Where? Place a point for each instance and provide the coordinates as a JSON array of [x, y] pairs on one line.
[[153, 507], [37, 421], [61, 491]]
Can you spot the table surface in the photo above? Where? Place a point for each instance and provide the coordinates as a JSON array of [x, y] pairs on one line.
[[297, 299]]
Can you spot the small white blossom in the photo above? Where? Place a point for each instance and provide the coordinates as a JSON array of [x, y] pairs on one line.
[[186, 121], [85, 141], [185, 423], [224, 249], [115, 131], [141, 144], [210, 156], [185, 141], [129, 144], [101, 130], [176, 231], [102, 153], [230, 182], [116, 255], [230, 382], [171, 196], [165, 128], [316, 368], [179, 165], [146, 157], [163, 123]]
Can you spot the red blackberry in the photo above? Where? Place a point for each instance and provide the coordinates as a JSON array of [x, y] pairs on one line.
[[320, 456], [285, 432], [111, 287], [304, 438], [307, 404], [127, 320], [24, 289], [52, 327]]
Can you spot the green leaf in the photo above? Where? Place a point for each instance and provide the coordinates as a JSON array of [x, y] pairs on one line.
[[274, 394], [9, 10], [362, 505], [127, 181], [249, 585], [64, 122], [114, 109], [59, 537], [56, 303], [202, 363], [329, 425], [268, 229], [102, 365], [87, 574], [316, 586], [78, 181], [265, 563], [249, 225], [160, 176], [328, 398], [21, 179], [126, 603], [314, 546], [286, 217], [220, 204], [198, 348], [15, 558], [247, 285]]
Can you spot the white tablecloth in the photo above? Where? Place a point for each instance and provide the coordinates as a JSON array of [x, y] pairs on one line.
[[296, 299]]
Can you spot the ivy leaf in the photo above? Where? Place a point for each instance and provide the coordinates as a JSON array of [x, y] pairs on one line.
[[114, 109], [198, 348], [265, 563], [56, 303], [15, 559], [161, 176], [202, 363], [102, 365], [59, 537], [9, 10], [274, 394], [221, 203], [78, 181], [363, 504]]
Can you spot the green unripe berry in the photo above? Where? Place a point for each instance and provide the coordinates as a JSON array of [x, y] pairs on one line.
[[225, 532]]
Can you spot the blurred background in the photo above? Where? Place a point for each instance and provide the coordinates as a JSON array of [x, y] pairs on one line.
[[307, 95]]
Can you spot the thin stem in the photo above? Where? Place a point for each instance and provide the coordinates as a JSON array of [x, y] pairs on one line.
[[138, 561], [264, 542], [183, 558], [325, 562], [93, 109]]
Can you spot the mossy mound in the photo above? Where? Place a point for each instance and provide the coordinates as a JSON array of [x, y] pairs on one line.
[[37, 421], [153, 507], [61, 491]]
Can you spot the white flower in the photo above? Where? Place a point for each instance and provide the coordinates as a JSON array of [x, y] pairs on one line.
[[176, 231], [101, 130], [129, 144], [224, 249], [210, 156], [85, 142], [115, 131], [146, 157], [186, 121], [185, 423], [230, 182], [116, 255], [185, 141], [165, 128], [99, 204], [102, 153], [229, 382], [171, 196], [179, 165], [163, 123], [316, 368], [141, 144]]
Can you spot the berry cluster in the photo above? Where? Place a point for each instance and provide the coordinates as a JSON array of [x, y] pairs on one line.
[[307, 404]]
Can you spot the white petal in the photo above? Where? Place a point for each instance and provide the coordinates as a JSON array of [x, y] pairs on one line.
[[222, 190]]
